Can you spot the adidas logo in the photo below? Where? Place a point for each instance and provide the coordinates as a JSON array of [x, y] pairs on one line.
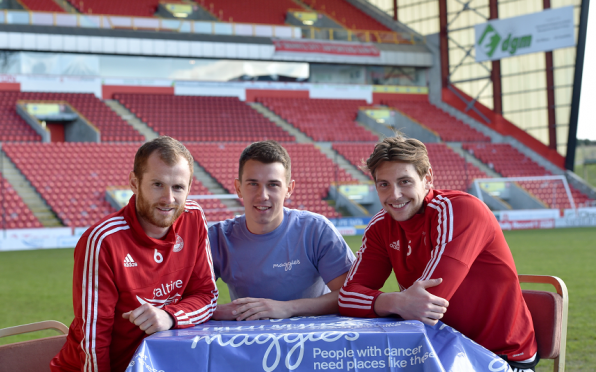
[[395, 245], [129, 262]]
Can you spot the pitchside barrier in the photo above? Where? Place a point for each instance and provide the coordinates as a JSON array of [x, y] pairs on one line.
[[67, 237]]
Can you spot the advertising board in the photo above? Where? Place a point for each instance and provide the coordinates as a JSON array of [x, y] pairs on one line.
[[537, 32]]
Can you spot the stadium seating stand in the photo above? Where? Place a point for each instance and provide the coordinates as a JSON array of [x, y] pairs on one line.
[[311, 169], [110, 125], [197, 119], [12, 126], [450, 170], [131, 8], [329, 120], [447, 127], [73, 182], [347, 14], [509, 162], [42, 6], [14, 213], [272, 12]]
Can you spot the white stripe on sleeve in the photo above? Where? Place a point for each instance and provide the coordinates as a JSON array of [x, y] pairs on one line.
[[90, 287], [446, 218], [358, 301]]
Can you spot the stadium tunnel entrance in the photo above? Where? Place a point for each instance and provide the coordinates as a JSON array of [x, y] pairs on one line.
[[57, 122]]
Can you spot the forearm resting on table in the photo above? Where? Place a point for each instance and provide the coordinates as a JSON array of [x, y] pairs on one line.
[[242, 308], [414, 303], [325, 304], [388, 304]]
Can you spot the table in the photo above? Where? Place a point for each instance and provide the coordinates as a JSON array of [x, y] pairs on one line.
[[314, 343]]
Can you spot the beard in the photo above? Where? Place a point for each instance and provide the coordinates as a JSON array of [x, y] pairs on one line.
[[148, 211]]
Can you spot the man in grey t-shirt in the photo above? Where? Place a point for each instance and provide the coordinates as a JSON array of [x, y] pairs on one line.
[[277, 262]]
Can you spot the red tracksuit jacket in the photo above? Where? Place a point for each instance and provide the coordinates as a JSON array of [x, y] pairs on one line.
[[117, 269], [456, 238]]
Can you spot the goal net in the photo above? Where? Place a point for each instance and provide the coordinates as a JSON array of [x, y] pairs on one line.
[[539, 192]]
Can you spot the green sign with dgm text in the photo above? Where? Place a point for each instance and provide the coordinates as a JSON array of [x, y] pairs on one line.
[[537, 32]]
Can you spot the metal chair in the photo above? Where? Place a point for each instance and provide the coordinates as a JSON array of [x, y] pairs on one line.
[[34, 355], [549, 314]]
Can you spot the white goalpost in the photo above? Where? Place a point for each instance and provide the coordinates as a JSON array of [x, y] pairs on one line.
[[546, 189]]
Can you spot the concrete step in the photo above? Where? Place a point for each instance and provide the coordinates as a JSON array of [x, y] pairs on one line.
[[274, 118], [28, 194], [66, 6], [457, 147], [215, 187], [342, 162], [303, 5], [131, 119]]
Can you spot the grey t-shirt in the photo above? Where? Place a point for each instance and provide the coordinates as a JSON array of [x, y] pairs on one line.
[[294, 261]]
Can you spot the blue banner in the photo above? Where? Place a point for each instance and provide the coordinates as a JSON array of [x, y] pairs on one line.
[[351, 225], [312, 344]]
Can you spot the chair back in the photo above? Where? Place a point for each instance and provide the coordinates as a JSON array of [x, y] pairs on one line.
[[30, 356], [34, 355], [546, 310], [549, 315]]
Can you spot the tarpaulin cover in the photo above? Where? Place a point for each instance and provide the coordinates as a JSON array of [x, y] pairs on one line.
[[314, 343]]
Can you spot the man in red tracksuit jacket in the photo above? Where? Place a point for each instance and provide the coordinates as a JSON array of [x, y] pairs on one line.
[[144, 269], [449, 256]]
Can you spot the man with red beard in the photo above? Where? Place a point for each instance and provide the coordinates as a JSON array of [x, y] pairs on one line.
[[144, 269]]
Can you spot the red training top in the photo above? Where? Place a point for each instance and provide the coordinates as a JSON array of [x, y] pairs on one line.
[[456, 238], [117, 269]]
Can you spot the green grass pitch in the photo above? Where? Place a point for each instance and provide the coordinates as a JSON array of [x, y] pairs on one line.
[[36, 285]]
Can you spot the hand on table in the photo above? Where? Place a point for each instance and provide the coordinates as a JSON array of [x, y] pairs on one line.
[[225, 312], [414, 303], [423, 306], [249, 308], [149, 319]]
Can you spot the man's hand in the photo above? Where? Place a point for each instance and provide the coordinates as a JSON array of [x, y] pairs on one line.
[[249, 308], [225, 312], [149, 319], [415, 303]]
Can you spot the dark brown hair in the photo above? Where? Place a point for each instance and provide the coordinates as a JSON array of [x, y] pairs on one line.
[[169, 150], [266, 152], [402, 149]]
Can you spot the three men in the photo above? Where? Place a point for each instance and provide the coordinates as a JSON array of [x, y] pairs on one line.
[[148, 267], [144, 269], [277, 262], [449, 256]]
